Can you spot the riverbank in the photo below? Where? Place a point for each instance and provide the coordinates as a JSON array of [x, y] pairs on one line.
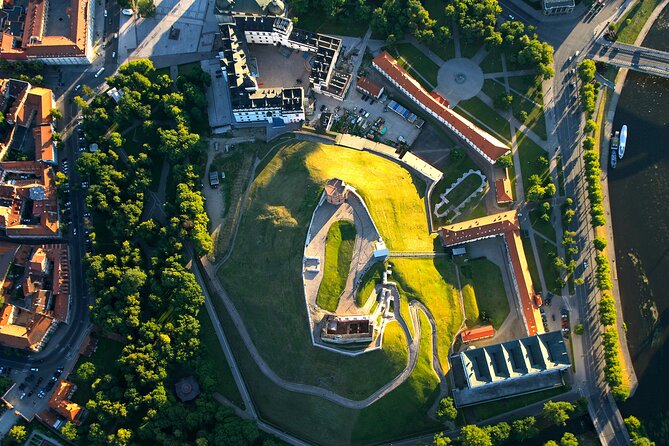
[[606, 128]]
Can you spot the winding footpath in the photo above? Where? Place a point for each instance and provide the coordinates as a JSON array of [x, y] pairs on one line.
[[306, 389]]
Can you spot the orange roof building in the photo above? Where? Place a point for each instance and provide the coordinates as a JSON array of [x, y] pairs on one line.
[[503, 190], [33, 43], [61, 404], [368, 87], [25, 321], [489, 147], [478, 333], [28, 201], [504, 224]]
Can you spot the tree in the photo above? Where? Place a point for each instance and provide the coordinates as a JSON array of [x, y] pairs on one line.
[[56, 113], [579, 329], [87, 91], [447, 410], [590, 126], [146, 8], [441, 440], [557, 412], [504, 161], [85, 371], [600, 243], [607, 310], [522, 116], [524, 428], [587, 70], [503, 101], [18, 434], [568, 439], [69, 431], [499, 433], [472, 435], [551, 443]]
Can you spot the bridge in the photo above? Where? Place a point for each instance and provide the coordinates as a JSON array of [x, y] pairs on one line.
[[644, 60]]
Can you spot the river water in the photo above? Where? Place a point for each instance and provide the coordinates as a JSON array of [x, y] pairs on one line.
[[639, 193]]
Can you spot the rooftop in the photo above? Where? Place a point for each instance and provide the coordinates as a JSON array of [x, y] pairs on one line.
[[486, 143], [503, 224], [38, 40]]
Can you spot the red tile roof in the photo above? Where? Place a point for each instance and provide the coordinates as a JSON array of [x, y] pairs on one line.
[[475, 334], [369, 87], [503, 190], [506, 224], [60, 402], [490, 146]]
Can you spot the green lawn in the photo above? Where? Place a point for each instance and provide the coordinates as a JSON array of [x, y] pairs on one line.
[[454, 169], [215, 362], [413, 59], [493, 88], [532, 264], [468, 49], [494, 408], [316, 20], [338, 254], [492, 62], [486, 117], [444, 50], [483, 279], [547, 252], [463, 190], [469, 301], [545, 228], [188, 67], [404, 410], [529, 152], [263, 275], [433, 282], [372, 277], [638, 16], [528, 97], [104, 359]]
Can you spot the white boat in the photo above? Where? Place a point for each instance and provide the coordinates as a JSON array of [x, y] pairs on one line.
[[623, 142]]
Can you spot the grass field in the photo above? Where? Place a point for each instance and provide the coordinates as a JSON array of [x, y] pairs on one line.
[[486, 117], [463, 190], [483, 280], [413, 59], [400, 413], [316, 20], [406, 406], [532, 264], [494, 408], [637, 16], [372, 277], [493, 88], [545, 228], [263, 275], [529, 152], [215, 361], [432, 281], [104, 360], [528, 97], [547, 252], [492, 62], [338, 254], [453, 170]]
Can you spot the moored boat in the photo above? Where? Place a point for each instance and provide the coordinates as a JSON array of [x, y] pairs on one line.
[[623, 142]]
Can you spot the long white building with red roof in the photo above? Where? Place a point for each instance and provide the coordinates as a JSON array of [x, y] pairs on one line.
[[489, 147]]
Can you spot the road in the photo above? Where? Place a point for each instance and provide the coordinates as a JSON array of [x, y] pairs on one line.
[[62, 349], [565, 118]]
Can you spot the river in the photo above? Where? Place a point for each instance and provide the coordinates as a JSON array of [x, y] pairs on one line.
[[639, 193]]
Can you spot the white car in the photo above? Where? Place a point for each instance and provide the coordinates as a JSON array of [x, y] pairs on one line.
[[105, 13], [128, 12], [99, 72]]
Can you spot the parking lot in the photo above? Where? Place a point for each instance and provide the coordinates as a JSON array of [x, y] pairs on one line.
[[395, 124]]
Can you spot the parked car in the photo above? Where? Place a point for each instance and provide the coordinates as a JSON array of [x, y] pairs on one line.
[[127, 11], [34, 369]]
